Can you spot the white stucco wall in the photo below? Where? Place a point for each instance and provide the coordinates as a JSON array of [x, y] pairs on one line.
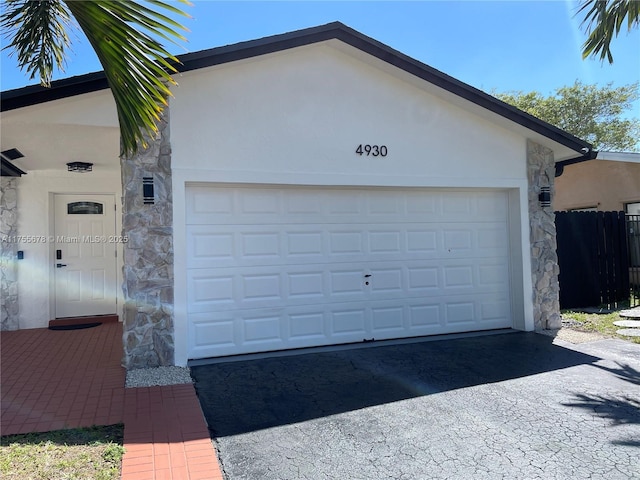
[[297, 117], [301, 114], [35, 203]]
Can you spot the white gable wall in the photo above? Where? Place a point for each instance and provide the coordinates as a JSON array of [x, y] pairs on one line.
[[296, 118], [304, 111]]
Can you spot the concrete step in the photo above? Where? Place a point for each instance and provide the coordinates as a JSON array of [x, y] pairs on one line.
[[627, 323], [629, 332]]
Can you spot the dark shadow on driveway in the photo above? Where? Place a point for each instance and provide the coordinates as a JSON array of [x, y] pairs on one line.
[[245, 396], [620, 410], [624, 372]]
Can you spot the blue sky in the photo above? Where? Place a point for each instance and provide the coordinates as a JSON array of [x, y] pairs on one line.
[[501, 46]]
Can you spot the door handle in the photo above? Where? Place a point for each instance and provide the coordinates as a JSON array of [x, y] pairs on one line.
[[60, 265], [367, 276]]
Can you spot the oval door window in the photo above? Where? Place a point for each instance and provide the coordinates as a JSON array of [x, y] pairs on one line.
[[84, 208]]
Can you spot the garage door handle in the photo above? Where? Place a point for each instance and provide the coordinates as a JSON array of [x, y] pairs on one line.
[[367, 276], [60, 265]]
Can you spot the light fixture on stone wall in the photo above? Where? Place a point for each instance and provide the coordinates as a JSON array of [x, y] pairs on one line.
[[80, 167], [544, 197], [148, 195]]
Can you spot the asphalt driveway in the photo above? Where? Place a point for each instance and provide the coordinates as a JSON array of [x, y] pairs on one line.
[[511, 406]]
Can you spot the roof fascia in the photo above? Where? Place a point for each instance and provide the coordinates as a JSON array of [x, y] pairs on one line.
[[10, 170], [68, 87]]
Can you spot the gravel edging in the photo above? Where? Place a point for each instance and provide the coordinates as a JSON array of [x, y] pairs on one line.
[[572, 336], [158, 376]]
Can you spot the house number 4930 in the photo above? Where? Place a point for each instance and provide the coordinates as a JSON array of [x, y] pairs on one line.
[[373, 150]]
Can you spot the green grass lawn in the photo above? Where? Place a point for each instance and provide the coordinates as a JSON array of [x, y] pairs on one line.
[[93, 453], [595, 322]]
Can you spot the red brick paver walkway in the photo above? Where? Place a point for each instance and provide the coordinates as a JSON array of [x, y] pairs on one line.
[[51, 380], [166, 436]]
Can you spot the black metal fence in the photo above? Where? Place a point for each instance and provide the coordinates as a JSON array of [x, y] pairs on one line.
[[633, 244], [594, 259]]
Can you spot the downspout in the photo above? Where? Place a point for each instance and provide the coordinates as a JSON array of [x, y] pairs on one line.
[[589, 154]]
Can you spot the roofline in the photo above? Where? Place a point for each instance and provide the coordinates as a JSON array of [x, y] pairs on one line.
[[8, 169], [32, 95], [65, 88], [628, 157]]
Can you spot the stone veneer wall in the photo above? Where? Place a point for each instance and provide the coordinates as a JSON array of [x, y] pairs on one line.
[[8, 248], [148, 337], [544, 260]]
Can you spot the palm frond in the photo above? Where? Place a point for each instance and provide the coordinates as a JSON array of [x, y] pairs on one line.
[[603, 21], [37, 33], [138, 68]]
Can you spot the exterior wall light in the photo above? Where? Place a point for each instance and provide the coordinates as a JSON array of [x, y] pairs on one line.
[[544, 197], [79, 167], [147, 191]]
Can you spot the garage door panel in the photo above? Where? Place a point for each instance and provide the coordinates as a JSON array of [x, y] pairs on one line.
[[458, 240], [457, 277], [304, 245], [286, 244], [493, 274], [348, 322], [425, 316], [341, 204], [424, 242], [204, 202], [387, 280], [261, 287], [308, 327], [246, 331], [494, 311], [457, 203], [459, 312], [277, 268], [307, 285], [208, 332], [492, 238], [385, 203], [282, 285], [459, 206], [274, 205], [262, 245], [211, 290], [385, 319], [207, 248], [261, 329]]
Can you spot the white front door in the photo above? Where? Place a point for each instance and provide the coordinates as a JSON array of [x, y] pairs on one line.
[[85, 255]]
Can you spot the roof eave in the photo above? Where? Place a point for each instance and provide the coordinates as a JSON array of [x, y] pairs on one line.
[[7, 169]]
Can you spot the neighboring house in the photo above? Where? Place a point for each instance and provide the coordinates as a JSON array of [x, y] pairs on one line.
[[609, 183], [311, 188]]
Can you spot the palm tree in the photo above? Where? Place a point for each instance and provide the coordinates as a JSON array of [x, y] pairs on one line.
[[603, 20], [124, 35]]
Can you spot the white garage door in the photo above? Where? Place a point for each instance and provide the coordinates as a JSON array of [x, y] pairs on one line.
[[273, 268]]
